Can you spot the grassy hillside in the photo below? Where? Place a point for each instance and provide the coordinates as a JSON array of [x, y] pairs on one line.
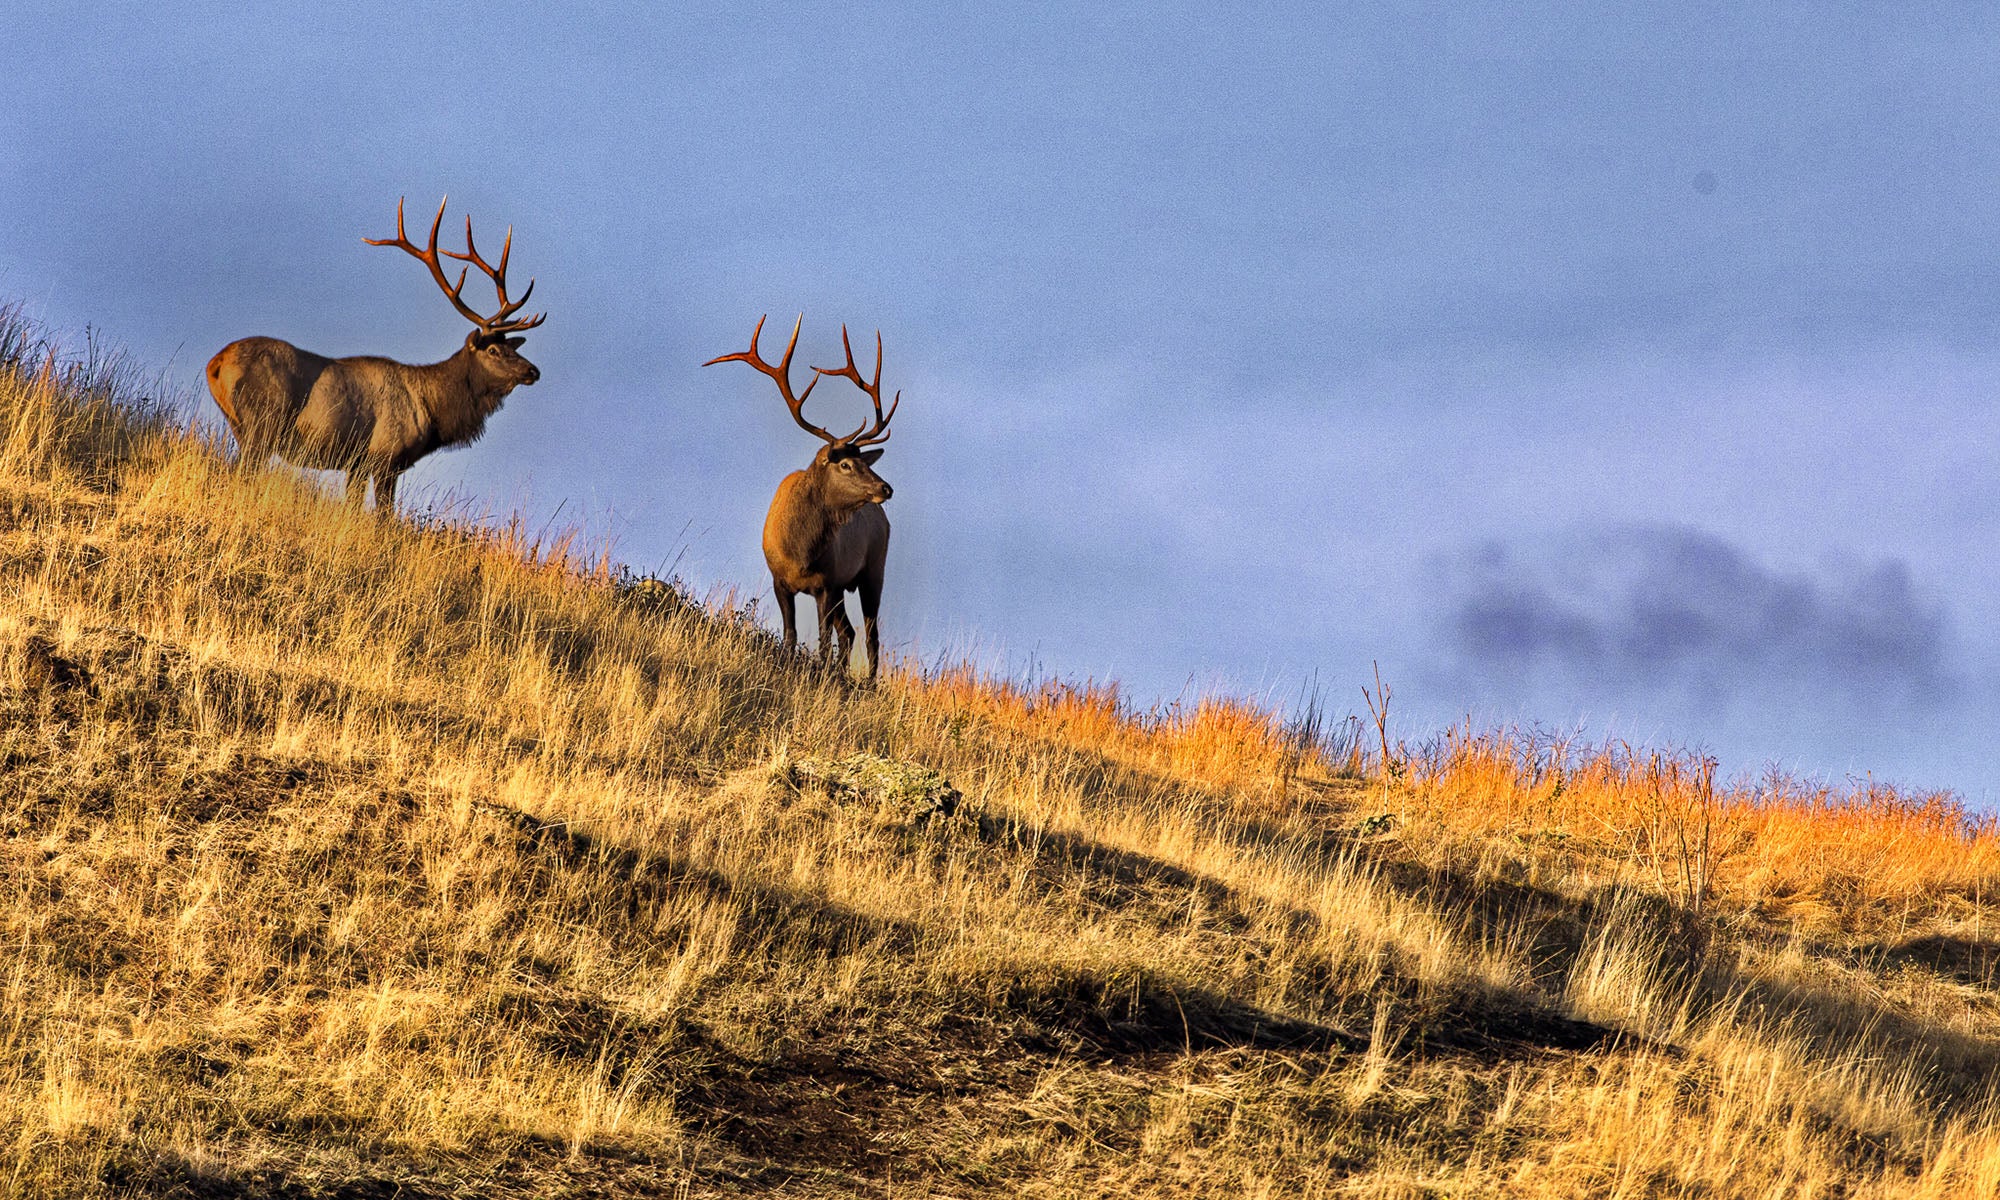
[[358, 857]]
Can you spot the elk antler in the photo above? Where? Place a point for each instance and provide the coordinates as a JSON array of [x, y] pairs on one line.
[[781, 375], [874, 390], [498, 323]]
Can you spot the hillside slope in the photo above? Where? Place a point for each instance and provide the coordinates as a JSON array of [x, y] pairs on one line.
[[359, 857]]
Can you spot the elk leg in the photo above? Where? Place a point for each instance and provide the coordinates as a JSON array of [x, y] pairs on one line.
[[786, 609], [842, 627], [870, 586], [871, 603], [357, 485], [833, 624], [385, 491]]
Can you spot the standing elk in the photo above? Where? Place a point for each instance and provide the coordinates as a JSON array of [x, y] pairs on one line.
[[826, 534], [375, 417]]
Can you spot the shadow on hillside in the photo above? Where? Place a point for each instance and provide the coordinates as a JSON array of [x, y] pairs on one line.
[[1966, 960], [841, 1090], [1557, 932], [782, 915], [1105, 878], [1073, 1013], [170, 1176], [1149, 1015], [1093, 1016], [1068, 1012]]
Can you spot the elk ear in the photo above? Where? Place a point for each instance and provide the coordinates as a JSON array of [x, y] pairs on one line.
[[515, 343], [869, 456]]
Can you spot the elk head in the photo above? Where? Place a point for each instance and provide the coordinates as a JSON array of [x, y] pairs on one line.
[[492, 349], [843, 470]]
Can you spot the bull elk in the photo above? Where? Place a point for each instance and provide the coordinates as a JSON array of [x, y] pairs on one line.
[[826, 534], [375, 417]]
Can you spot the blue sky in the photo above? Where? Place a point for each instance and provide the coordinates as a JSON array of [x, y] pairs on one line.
[[1624, 371]]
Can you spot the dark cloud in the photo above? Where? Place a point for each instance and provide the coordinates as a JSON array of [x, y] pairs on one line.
[[1653, 607]]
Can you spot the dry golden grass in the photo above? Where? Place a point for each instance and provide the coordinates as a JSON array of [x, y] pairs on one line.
[[359, 857]]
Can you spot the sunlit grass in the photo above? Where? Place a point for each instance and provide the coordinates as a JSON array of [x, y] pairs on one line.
[[342, 849]]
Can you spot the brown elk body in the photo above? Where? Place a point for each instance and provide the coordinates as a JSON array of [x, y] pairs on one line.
[[375, 417], [826, 534]]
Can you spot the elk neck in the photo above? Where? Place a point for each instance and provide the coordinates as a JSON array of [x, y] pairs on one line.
[[812, 516], [457, 397]]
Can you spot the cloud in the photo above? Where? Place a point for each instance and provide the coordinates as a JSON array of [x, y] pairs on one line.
[[1668, 607]]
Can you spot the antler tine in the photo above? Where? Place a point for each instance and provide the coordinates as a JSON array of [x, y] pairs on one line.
[[429, 257], [866, 435], [780, 374], [498, 322]]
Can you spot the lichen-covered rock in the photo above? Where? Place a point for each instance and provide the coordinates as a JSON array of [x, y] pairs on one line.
[[1379, 825], [908, 791]]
